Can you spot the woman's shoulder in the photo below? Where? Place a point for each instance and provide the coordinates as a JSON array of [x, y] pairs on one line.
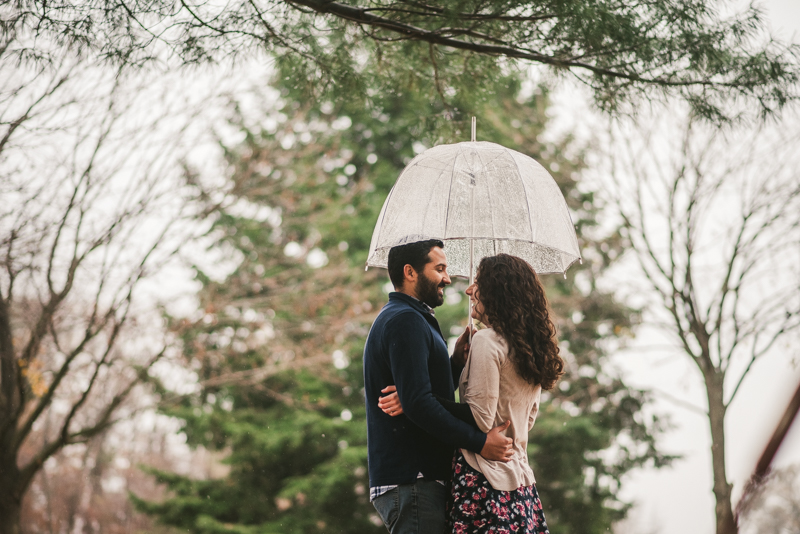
[[489, 334], [487, 339]]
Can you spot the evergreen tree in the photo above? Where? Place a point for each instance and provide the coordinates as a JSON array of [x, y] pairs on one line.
[[278, 345]]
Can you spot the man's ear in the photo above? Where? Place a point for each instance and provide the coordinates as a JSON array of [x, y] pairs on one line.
[[409, 274]]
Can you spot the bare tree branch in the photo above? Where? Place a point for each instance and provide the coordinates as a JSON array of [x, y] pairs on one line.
[[102, 422]]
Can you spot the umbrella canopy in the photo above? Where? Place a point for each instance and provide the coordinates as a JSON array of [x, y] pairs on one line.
[[481, 199]]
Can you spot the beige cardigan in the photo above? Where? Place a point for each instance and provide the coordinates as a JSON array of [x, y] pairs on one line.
[[495, 393]]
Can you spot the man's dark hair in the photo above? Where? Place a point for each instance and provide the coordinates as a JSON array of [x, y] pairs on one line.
[[415, 254]]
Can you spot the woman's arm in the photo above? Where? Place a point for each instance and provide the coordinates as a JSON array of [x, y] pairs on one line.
[[482, 390]]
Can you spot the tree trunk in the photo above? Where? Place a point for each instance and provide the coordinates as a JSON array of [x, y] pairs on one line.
[[9, 388], [10, 498], [10, 494], [716, 417]]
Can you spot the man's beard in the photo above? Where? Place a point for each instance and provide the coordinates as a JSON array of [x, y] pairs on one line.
[[428, 291]]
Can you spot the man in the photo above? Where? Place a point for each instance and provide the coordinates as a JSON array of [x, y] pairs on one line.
[[410, 455]]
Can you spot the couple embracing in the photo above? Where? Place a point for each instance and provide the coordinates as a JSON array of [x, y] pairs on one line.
[[436, 465]]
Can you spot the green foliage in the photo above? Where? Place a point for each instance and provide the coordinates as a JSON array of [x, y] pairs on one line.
[[290, 415], [722, 66]]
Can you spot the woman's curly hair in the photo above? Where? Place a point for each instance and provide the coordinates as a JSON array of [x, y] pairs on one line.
[[516, 308]]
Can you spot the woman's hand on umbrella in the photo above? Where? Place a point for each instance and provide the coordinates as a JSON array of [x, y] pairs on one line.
[[390, 402]]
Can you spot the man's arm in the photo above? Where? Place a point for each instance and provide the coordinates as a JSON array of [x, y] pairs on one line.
[[497, 446], [462, 411], [408, 355], [390, 404]]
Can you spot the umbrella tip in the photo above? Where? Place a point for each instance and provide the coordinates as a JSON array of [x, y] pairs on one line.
[[474, 127]]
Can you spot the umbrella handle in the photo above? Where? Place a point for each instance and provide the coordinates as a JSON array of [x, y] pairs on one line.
[[470, 322], [472, 234]]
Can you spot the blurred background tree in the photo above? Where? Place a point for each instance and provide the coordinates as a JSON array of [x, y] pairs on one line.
[[92, 215], [277, 342], [775, 506], [711, 217], [91, 209]]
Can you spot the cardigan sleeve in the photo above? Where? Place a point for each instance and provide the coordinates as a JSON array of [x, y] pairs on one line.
[[535, 408], [408, 356], [482, 389]]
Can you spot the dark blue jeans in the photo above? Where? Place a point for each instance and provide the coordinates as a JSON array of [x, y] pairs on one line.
[[414, 508]]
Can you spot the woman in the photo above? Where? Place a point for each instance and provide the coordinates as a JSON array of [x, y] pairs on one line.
[[510, 362]]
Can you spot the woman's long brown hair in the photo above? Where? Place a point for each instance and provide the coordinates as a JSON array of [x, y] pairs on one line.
[[516, 307]]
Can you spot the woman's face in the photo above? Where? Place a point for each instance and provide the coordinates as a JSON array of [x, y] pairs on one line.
[[478, 313]]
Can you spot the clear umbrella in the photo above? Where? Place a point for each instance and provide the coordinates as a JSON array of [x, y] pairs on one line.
[[481, 199]]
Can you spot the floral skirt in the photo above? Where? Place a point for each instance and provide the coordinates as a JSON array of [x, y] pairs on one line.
[[476, 507]]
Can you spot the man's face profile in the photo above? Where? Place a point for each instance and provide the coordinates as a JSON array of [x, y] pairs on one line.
[[433, 279]]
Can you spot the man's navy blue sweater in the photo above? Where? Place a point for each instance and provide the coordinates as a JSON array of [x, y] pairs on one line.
[[405, 347]]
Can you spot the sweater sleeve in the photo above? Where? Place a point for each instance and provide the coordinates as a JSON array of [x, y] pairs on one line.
[[457, 409], [483, 383], [408, 356]]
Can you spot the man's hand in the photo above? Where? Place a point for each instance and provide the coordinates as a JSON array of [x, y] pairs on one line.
[[497, 446], [390, 402], [461, 352]]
